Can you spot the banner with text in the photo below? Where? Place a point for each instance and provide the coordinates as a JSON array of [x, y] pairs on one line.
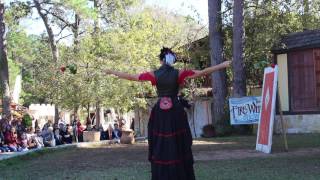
[[245, 110]]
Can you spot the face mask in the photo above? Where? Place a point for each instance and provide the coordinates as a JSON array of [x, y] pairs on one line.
[[169, 59]]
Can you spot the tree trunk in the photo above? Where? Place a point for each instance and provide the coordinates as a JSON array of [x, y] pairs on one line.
[[219, 85], [75, 110], [4, 68], [239, 76], [96, 4], [56, 114], [88, 110], [98, 117], [75, 30], [53, 44]]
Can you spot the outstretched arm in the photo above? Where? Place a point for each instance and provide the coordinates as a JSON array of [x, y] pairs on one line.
[[209, 70], [122, 75]]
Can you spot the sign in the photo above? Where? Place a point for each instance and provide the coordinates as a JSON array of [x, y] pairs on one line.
[[265, 127], [245, 110]]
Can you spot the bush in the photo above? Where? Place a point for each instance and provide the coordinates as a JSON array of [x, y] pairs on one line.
[[27, 120]]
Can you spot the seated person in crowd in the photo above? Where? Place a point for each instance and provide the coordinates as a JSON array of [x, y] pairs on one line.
[[1, 138], [20, 127], [3, 147], [63, 131], [67, 135], [22, 142], [31, 138], [48, 137], [38, 139], [117, 133], [57, 136], [10, 139], [103, 134]]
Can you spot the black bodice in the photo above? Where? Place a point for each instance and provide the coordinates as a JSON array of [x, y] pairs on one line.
[[167, 81]]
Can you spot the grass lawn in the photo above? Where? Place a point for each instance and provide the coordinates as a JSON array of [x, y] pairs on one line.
[[124, 162]]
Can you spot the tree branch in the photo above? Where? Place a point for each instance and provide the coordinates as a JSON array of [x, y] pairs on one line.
[[62, 30], [64, 37], [58, 17]]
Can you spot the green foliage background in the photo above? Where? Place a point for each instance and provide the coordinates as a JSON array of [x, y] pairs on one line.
[[128, 39]]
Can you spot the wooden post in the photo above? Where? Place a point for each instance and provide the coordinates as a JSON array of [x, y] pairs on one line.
[[283, 129]]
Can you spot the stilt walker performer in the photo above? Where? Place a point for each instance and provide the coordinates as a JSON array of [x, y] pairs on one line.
[[169, 135]]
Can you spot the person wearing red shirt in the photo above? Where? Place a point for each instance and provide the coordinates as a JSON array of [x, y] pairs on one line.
[[10, 138], [80, 130]]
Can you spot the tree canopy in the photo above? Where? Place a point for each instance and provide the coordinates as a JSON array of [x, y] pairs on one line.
[[128, 39], [127, 36]]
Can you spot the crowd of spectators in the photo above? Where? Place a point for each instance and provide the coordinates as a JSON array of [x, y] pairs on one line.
[[111, 133], [15, 137]]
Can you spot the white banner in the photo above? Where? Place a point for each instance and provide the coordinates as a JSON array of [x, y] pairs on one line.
[[245, 110]]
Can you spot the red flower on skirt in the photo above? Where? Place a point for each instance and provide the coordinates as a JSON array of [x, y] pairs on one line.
[[165, 103]]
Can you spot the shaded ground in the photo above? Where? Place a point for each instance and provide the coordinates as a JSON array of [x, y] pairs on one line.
[[217, 158]]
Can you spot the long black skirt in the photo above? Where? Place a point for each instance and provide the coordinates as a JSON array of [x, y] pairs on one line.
[[170, 141]]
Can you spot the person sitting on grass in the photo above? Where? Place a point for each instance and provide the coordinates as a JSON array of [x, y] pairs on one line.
[[1, 138], [57, 136], [66, 135], [3, 147], [30, 132], [117, 133], [48, 138], [10, 138], [23, 142], [103, 133], [31, 138], [38, 139], [20, 127]]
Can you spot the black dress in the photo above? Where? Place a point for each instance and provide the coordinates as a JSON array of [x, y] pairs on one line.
[[169, 134]]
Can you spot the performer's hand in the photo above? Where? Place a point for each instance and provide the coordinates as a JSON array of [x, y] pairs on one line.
[[226, 63]]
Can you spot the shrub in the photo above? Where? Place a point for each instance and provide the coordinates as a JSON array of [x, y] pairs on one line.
[[27, 120]]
